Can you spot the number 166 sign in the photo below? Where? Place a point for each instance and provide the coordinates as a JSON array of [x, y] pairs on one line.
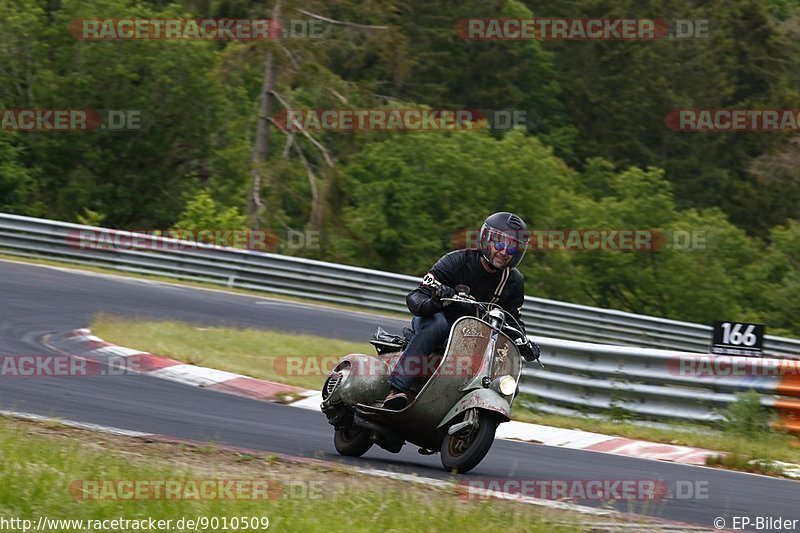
[[738, 338]]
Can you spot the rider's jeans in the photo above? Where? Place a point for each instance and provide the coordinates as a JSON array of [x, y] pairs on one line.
[[429, 332]]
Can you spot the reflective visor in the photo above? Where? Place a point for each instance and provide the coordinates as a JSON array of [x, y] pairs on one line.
[[504, 241]]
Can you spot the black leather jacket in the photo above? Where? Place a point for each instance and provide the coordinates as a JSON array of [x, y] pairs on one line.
[[463, 267]]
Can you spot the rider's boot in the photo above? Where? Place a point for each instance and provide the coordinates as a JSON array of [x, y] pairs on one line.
[[397, 400]]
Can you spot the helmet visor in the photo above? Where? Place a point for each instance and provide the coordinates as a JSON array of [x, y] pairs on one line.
[[512, 244]]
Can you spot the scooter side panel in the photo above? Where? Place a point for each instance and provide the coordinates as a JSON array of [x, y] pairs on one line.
[[469, 338], [463, 358], [366, 380]]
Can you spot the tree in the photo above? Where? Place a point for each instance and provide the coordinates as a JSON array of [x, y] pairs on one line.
[[408, 194], [17, 185], [618, 94], [203, 214], [136, 178]]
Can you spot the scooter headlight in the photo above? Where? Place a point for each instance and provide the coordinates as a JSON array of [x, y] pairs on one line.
[[506, 385]]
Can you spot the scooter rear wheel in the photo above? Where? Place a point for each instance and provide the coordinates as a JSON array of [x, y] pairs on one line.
[[462, 453], [352, 441]]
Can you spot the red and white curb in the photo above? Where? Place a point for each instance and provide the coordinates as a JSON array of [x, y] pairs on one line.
[[227, 382], [585, 440], [82, 343]]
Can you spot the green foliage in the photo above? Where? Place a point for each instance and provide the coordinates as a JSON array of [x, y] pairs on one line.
[[781, 279], [203, 213], [746, 416], [409, 195], [123, 175], [616, 411], [618, 93], [17, 185], [90, 218]]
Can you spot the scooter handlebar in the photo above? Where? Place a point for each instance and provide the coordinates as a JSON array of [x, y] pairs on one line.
[[515, 330], [462, 298]]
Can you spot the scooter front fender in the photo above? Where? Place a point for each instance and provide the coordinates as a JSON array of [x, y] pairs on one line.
[[481, 399]]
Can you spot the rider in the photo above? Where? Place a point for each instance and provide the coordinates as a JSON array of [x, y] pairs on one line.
[[491, 275]]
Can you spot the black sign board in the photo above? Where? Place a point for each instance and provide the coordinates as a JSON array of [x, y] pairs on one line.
[[738, 338]]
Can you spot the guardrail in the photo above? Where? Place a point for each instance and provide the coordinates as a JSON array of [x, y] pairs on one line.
[[657, 384], [370, 289], [579, 376]]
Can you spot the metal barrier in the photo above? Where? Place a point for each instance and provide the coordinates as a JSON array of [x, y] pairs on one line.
[[370, 289], [660, 384]]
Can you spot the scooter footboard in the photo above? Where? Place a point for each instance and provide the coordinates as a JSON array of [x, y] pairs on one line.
[[481, 399]]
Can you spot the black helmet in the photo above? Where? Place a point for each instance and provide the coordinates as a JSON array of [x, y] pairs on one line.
[[504, 229]]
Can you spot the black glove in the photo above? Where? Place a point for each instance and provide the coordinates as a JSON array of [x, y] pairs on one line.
[[529, 350], [443, 291]]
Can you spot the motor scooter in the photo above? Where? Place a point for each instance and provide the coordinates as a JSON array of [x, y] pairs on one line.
[[471, 388]]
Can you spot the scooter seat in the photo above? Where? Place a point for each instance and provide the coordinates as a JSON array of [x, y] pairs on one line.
[[385, 342]]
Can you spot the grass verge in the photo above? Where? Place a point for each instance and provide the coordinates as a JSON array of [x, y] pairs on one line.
[[42, 465], [300, 360]]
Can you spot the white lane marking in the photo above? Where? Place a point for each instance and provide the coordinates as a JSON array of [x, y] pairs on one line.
[[438, 483], [789, 469], [631, 521], [197, 376], [119, 351], [550, 436], [75, 424], [311, 402]]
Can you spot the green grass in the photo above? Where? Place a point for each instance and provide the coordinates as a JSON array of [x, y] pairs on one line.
[[257, 353], [38, 470]]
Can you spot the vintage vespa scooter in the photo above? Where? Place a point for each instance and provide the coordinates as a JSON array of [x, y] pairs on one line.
[[456, 412]]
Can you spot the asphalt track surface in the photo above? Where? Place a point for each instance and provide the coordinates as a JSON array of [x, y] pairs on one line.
[[39, 300]]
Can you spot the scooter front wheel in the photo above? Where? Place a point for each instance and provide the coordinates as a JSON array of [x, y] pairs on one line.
[[352, 441], [462, 452]]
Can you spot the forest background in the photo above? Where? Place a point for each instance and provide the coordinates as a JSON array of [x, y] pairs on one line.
[[595, 152]]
